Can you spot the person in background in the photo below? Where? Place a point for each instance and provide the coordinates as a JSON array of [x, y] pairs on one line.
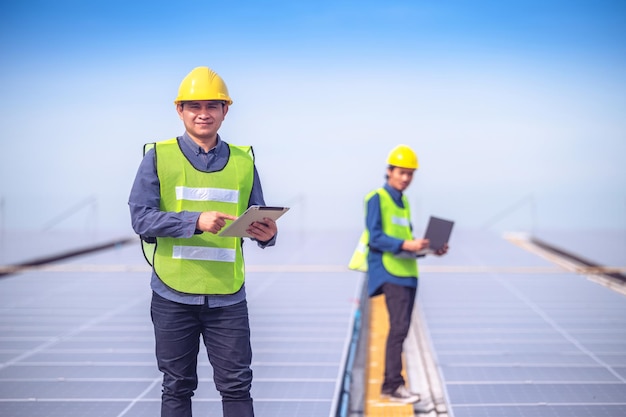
[[388, 252], [185, 190]]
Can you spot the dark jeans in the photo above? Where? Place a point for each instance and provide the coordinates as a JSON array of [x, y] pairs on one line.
[[226, 335], [400, 301]]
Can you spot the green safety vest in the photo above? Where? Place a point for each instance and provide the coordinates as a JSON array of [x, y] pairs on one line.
[[204, 263], [396, 223]]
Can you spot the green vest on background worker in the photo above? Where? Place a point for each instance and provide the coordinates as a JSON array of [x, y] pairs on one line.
[[387, 251]]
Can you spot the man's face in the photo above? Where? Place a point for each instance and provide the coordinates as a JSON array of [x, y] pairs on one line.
[[202, 119], [399, 178]]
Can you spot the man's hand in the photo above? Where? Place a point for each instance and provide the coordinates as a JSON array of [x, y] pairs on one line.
[[213, 221], [263, 231], [442, 251], [415, 245]]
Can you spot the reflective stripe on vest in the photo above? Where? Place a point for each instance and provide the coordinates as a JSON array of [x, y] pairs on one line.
[[400, 221], [204, 254], [207, 194], [204, 263]]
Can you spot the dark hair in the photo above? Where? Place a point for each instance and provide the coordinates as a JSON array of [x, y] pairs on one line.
[[391, 167]]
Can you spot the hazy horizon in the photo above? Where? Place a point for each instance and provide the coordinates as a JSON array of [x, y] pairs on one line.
[[516, 110]]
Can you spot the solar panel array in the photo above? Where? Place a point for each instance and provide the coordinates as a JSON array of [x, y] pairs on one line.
[[76, 338], [513, 335], [526, 340]]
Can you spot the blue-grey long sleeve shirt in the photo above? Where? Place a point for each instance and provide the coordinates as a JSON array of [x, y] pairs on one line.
[[149, 221], [379, 242]]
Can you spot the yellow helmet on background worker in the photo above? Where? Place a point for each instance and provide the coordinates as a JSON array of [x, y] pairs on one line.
[[202, 83], [402, 156]]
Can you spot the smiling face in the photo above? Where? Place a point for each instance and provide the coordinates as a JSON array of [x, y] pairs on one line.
[[202, 119], [399, 178]]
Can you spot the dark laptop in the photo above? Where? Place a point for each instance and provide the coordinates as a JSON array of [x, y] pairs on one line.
[[438, 233]]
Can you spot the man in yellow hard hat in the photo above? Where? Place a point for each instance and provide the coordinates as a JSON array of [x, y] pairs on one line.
[[390, 251], [185, 190]]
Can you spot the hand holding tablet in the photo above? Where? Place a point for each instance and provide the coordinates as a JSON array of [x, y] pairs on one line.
[[239, 227]]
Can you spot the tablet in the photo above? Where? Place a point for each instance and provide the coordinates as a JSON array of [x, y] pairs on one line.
[[253, 214]]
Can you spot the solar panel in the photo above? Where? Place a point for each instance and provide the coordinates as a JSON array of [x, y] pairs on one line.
[[520, 343], [76, 340]]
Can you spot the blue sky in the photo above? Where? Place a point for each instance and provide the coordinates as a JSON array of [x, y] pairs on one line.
[[515, 108]]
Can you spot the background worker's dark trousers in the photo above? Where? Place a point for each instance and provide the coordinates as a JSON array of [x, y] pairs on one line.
[[226, 334], [400, 301]]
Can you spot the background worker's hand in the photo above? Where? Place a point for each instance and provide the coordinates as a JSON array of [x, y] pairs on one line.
[[213, 221], [415, 245], [443, 250], [263, 231]]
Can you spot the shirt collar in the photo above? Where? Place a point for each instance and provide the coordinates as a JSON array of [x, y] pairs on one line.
[[395, 194], [197, 149]]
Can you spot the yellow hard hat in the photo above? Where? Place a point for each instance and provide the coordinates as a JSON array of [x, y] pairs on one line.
[[402, 156], [202, 83]]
